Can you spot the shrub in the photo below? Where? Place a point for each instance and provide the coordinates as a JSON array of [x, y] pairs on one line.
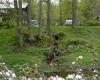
[[92, 23], [2, 24], [82, 21], [8, 24]]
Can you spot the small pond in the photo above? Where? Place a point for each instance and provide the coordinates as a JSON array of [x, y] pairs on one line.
[[65, 73]]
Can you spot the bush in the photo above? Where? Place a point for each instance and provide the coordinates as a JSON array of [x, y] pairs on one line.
[[92, 23], [2, 24], [82, 21], [8, 24]]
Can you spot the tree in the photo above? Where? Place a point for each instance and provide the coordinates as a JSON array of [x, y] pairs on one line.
[[20, 24], [31, 37], [40, 20], [48, 17], [74, 5], [16, 10]]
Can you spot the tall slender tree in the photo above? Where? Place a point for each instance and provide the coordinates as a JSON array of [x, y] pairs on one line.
[[31, 37], [20, 24], [74, 5], [40, 20], [16, 10], [48, 17]]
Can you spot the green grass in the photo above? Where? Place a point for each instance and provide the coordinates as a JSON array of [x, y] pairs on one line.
[[20, 59], [34, 54]]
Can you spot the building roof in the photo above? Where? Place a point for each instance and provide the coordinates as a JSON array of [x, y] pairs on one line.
[[2, 6], [11, 5]]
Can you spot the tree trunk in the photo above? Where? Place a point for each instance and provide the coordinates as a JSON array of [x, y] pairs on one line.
[[40, 20], [16, 16], [48, 17], [74, 22], [20, 24], [31, 37]]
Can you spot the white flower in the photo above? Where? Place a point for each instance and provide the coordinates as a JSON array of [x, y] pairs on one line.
[[36, 65], [13, 75], [60, 78], [70, 76], [40, 78], [10, 71], [10, 79], [78, 77], [80, 57], [51, 78], [29, 79], [73, 62], [79, 69], [96, 53], [24, 78], [7, 74], [0, 73], [96, 75], [2, 63], [94, 78], [55, 78], [95, 71]]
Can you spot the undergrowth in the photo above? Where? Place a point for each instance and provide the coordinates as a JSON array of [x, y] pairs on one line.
[[83, 41]]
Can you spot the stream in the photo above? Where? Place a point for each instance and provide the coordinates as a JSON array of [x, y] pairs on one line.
[[64, 73]]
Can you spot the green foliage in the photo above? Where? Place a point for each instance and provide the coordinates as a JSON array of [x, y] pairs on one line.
[[8, 24], [8, 19], [35, 10], [11, 23], [55, 9], [66, 10], [72, 44], [87, 11], [25, 70], [19, 59], [76, 48], [93, 23], [2, 24], [81, 20], [36, 51]]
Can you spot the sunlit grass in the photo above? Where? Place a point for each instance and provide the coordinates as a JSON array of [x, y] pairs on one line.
[[14, 59], [31, 55]]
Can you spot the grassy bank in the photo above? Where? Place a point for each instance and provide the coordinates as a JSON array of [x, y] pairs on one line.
[[71, 44]]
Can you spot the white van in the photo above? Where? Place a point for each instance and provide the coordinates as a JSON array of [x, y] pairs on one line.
[[68, 23], [35, 23]]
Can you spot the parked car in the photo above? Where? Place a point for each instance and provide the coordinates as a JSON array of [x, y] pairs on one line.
[[35, 23], [68, 23]]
